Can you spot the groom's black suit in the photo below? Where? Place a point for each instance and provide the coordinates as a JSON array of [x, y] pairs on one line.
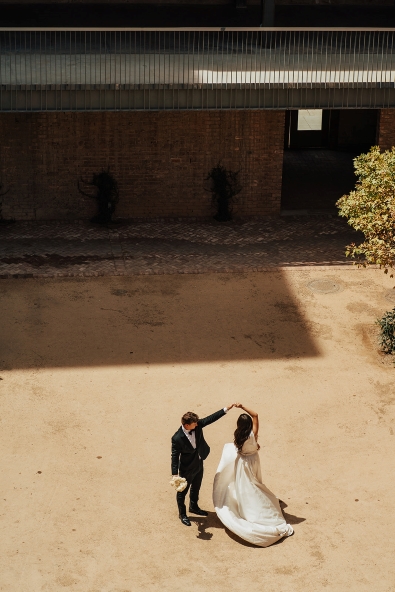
[[187, 461]]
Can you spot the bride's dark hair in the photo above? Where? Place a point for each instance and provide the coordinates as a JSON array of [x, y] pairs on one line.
[[243, 430]]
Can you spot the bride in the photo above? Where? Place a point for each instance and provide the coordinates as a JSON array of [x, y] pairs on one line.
[[241, 500]]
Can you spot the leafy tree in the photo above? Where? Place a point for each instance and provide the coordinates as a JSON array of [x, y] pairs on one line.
[[370, 208]]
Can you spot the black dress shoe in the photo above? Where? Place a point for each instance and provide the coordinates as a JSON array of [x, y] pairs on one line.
[[198, 511], [185, 520]]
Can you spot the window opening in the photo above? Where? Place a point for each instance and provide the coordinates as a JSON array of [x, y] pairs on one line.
[[310, 120]]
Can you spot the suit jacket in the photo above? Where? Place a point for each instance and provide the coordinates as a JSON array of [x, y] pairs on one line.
[[184, 457]]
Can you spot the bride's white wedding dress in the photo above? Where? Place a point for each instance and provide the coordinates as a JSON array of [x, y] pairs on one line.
[[241, 500]]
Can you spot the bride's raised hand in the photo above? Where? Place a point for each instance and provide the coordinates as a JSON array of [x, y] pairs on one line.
[[239, 405]]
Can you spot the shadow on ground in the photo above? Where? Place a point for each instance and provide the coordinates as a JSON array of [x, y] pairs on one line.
[[205, 525], [151, 320]]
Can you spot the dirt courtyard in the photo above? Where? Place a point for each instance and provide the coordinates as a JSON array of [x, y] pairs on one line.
[[95, 374]]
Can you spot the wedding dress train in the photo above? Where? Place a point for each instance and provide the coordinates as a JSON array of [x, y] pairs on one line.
[[242, 502]]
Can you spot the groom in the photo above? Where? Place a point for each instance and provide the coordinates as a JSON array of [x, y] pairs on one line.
[[188, 451]]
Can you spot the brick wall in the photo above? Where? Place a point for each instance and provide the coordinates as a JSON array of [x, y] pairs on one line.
[[386, 129], [159, 159]]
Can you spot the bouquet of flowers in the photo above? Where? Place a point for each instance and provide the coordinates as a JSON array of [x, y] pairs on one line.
[[179, 483]]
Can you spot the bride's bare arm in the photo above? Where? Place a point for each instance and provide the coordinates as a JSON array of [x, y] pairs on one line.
[[255, 419]]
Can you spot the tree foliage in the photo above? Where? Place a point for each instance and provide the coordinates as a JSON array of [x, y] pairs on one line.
[[370, 208]]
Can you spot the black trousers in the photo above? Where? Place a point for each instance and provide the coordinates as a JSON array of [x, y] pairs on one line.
[[194, 482]]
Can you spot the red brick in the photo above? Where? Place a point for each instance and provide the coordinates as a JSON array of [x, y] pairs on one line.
[[386, 129], [159, 159]]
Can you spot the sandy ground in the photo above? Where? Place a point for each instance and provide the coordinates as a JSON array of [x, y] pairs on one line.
[[95, 376]]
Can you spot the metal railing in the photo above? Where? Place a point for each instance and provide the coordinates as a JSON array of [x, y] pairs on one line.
[[152, 69]]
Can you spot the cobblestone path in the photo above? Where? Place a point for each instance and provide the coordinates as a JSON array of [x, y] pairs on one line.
[[57, 249]]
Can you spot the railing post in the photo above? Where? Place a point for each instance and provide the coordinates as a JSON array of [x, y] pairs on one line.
[[241, 68]]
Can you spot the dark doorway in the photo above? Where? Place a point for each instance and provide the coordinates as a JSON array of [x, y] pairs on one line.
[[336, 129], [306, 128], [319, 148]]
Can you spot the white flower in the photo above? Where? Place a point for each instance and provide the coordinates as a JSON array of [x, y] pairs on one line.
[[179, 483]]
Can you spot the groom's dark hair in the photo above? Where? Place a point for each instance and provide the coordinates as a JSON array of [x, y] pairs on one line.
[[189, 417]]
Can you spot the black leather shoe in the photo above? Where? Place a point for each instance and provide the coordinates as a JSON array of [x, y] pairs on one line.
[[198, 511], [185, 520]]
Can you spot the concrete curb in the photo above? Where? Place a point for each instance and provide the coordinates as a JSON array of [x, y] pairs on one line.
[[202, 270]]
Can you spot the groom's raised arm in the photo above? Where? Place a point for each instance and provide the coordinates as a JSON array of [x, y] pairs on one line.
[[205, 421]]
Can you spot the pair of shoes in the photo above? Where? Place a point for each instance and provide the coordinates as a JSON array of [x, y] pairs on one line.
[[185, 520], [198, 511]]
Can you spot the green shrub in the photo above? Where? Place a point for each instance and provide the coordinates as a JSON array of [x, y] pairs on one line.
[[387, 332], [107, 195], [224, 185]]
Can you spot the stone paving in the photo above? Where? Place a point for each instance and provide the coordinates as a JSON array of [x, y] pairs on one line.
[[72, 249]]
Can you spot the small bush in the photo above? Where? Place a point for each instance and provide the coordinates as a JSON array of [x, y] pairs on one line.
[[387, 332], [2, 219], [224, 185], [107, 195]]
